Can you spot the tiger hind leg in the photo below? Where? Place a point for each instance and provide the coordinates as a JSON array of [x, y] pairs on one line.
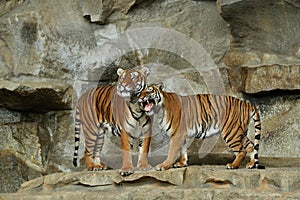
[[183, 156], [239, 157], [237, 147], [89, 160], [93, 164], [253, 163], [97, 151], [93, 148]]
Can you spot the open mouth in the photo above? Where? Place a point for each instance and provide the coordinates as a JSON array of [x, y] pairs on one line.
[[148, 105]]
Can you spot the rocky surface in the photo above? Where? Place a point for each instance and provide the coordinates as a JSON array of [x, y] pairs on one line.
[[263, 43], [30, 95], [194, 182], [51, 52], [272, 77]]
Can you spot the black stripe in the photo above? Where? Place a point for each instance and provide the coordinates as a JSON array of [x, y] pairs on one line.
[[129, 123], [258, 126], [256, 147], [257, 137], [228, 139], [132, 114], [204, 135], [259, 166], [140, 143], [75, 162], [235, 144], [163, 116], [77, 129], [169, 126], [77, 139], [256, 156], [147, 122]]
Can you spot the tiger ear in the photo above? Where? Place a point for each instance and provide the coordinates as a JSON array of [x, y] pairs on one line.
[[120, 71], [161, 86], [145, 71]]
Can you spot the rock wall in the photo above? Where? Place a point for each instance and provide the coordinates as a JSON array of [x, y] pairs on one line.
[[51, 52]]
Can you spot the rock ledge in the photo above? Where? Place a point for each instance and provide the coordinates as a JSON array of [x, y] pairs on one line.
[[193, 182]]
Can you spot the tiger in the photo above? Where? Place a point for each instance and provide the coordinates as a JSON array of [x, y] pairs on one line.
[[201, 116], [113, 109]]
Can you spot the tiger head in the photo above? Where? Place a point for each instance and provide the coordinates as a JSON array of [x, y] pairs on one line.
[[131, 82], [151, 97]]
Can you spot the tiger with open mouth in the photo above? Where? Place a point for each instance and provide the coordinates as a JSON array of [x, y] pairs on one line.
[[201, 116]]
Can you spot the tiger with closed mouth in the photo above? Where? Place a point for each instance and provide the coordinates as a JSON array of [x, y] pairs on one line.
[[114, 109], [201, 116]]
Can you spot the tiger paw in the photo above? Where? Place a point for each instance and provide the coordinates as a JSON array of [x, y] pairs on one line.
[[100, 167], [144, 166], [252, 166], [162, 167], [180, 164], [125, 171], [231, 166]]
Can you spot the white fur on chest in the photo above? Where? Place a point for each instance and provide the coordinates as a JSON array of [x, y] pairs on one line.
[[133, 128]]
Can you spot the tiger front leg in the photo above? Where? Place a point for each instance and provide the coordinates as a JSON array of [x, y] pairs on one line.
[[176, 142], [127, 167], [236, 145], [144, 145], [239, 157]]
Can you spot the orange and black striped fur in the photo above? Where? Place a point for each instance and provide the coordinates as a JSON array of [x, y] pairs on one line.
[[112, 109], [201, 116]]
